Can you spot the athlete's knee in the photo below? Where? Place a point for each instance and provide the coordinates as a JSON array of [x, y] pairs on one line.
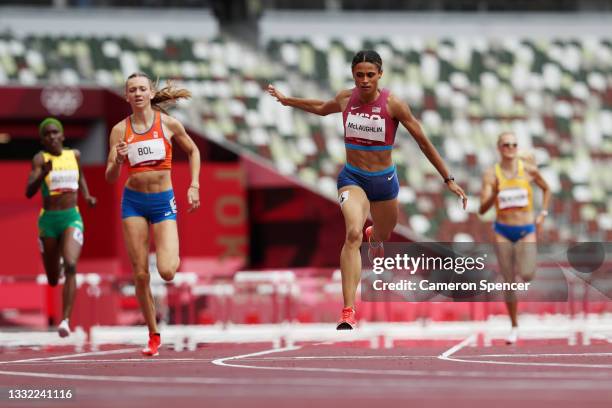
[[69, 269], [528, 277], [354, 236], [53, 275], [168, 270], [167, 274], [141, 278]]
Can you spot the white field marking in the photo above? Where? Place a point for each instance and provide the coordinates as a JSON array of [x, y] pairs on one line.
[[380, 357], [298, 358], [68, 356], [401, 385], [448, 353], [515, 380], [222, 361], [412, 373], [457, 347], [514, 363], [195, 360], [543, 355], [121, 360]]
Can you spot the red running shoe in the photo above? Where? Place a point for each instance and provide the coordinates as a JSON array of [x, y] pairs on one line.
[[347, 320], [153, 346], [375, 249]]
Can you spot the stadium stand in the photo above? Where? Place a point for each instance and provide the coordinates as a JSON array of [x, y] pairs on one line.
[[554, 94]]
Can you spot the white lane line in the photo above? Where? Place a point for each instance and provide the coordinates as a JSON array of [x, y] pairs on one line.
[[513, 380], [222, 361], [195, 360], [468, 359], [226, 362], [120, 360], [543, 355], [361, 384], [68, 356], [527, 364], [457, 347], [383, 357], [300, 358]]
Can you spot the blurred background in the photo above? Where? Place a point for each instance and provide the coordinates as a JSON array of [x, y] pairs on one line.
[[265, 245]]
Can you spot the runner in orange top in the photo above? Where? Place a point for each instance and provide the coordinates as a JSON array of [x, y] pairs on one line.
[[143, 139]]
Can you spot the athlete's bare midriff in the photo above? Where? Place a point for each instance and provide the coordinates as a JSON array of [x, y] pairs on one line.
[[150, 181], [61, 201], [369, 160], [516, 217]]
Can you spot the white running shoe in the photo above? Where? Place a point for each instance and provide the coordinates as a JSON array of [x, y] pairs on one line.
[[63, 329], [513, 336]]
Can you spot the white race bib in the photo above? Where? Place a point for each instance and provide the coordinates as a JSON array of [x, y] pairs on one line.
[[513, 198], [146, 151], [63, 180], [359, 127]]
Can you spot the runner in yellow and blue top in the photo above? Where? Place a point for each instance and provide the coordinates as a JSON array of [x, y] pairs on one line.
[[368, 182], [508, 187], [57, 172]]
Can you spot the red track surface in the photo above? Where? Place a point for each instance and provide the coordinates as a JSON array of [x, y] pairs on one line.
[[532, 374]]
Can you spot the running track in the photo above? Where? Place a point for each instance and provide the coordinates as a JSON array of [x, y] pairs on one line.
[[541, 373]]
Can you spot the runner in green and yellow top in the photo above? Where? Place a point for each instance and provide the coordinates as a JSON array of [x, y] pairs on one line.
[[57, 172]]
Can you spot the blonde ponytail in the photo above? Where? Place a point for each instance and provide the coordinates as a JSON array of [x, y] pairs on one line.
[[165, 96]]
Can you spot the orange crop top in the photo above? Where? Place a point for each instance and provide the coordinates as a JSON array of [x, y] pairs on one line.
[[148, 151]]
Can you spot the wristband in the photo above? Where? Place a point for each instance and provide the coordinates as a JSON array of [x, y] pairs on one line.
[[449, 178]]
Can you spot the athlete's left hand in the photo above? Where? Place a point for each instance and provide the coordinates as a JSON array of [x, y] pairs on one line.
[[540, 219], [454, 187], [91, 201], [193, 198]]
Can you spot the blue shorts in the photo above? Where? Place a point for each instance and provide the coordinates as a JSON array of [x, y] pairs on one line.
[[154, 207], [513, 232], [378, 186]]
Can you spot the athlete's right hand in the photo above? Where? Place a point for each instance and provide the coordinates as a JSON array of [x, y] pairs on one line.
[[121, 149], [276, 93], [46, 167], [496, 187]]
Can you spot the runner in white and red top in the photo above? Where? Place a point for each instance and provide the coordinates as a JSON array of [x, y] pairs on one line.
[[368, 183]]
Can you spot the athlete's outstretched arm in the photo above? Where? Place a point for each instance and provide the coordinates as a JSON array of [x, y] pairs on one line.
[[39, 171], [318, 107], [116, 153], [193, 153], [401, 112], [540, 182], [91, 200], [488, 192]]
